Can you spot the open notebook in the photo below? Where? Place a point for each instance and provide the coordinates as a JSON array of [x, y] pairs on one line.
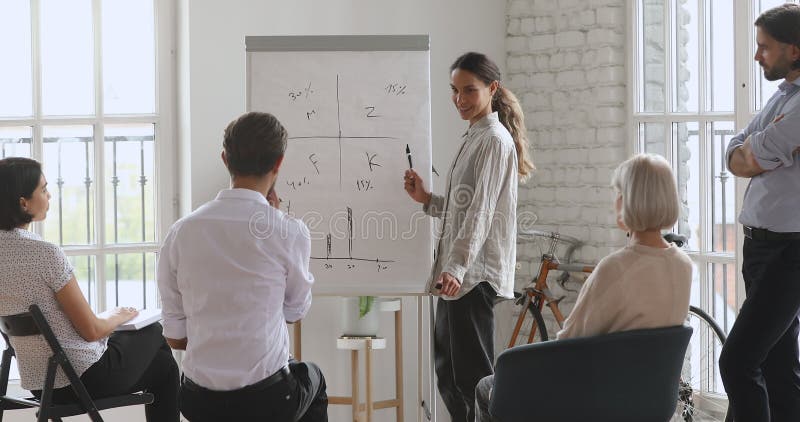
[[145, 318]]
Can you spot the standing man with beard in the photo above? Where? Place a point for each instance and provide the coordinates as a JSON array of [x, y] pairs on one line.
[[759, 362]]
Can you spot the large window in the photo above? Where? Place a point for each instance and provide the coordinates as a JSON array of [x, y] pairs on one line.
[[695, 84], [685, 110], [85, 89]]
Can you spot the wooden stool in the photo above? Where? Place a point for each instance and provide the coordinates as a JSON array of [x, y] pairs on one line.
[[355, 344], [396, 305]]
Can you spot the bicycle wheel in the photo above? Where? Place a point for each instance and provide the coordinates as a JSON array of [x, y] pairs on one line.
[[526, 315], [701, 396]]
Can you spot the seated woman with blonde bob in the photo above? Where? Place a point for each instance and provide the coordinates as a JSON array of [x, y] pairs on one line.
[[646, 284], [33, 271]]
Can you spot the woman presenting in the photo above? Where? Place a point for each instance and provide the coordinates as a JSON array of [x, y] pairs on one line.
[[476, 253]]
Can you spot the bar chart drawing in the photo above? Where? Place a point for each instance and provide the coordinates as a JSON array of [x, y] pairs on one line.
[[329, 246]]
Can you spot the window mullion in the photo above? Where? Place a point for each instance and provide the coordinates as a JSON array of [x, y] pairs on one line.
[[99, 157], [97, 22], [703, 59], [706, 188], [669, 143], [635, 66], [744, 76], [162, 16], [37, 147], [744, 102], [748, 33], [706, 219], [670, 152], [36, 66], [704, 298], [668, 59]]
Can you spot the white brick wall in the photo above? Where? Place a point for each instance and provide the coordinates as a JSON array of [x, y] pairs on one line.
[[573, 91], [571, 80]]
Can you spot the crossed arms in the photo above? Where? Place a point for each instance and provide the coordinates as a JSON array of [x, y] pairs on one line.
[[742, 162], [765, 150]]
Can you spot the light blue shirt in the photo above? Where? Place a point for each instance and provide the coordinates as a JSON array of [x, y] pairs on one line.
[[772, 199]]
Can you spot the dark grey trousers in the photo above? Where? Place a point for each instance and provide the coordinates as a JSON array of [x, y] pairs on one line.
[[483, 394], [464, 348]]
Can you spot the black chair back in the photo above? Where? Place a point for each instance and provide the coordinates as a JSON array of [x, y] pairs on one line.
[[19, 325], [629, 376], [32, 323]]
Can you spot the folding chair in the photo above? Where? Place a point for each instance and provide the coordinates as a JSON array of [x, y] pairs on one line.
[[33, 323]]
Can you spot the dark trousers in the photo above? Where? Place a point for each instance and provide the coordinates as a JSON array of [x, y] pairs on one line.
[[299, 396], [464, 348], [134, 361], [759, 361], [483, 397]]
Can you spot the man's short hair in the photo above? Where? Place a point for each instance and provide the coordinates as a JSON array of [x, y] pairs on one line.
[[19, 177], [783, 24], [253, 143], [649, 193]]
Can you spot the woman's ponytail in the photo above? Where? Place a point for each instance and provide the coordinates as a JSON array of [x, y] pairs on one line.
[[509, 111]]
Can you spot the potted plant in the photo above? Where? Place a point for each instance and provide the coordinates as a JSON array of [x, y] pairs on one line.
[[360, 316], [365, 305]]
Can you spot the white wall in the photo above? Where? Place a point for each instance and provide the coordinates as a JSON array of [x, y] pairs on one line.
[[211, 67]]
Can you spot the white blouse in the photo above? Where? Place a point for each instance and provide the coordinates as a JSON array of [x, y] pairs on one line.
[[31, 272]]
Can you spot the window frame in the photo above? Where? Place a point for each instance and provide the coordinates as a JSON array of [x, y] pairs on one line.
[[743, 102], [164, 174]]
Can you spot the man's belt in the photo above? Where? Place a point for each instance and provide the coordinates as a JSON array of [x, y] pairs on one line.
[[764, 234], [281, 375]]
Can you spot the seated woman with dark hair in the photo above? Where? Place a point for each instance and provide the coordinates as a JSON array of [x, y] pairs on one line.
[[647, 283], [33, 271]]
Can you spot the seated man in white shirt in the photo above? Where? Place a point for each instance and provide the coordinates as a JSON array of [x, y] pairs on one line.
[[230, 275]]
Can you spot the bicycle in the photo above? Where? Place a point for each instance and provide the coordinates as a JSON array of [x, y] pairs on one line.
[[536, 296], [700, 397]]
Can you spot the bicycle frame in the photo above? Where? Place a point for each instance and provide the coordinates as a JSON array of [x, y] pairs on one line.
[[539, 294]]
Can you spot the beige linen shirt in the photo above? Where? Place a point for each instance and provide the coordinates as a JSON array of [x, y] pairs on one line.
[[477, 239]]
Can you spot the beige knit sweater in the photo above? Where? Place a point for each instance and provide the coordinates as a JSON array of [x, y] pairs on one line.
[[635, 287]]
